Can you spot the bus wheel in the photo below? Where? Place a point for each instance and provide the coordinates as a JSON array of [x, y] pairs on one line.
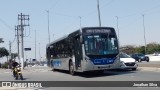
[[71, 68], [53, 69]]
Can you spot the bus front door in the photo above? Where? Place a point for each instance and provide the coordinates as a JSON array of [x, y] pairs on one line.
[[77, 52]]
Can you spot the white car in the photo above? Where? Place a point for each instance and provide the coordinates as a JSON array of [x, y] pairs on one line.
[[127, 62]]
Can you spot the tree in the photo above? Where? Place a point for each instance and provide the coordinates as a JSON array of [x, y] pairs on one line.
[[14, 55], [140, 49], [1, 40], [3, 52], [129, 49], [153, 47]]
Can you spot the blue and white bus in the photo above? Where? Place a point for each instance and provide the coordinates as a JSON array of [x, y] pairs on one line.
[[87, 49]]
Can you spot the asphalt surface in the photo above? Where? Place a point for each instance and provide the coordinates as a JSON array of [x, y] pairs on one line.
[[147, 71]]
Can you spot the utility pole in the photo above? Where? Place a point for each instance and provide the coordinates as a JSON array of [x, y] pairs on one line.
[[39, 53], [117, 26], [22, 18], [10, 47], [48, 26], [99, 16], [17, 31], [80, 23], [145, 51], [35, 45]]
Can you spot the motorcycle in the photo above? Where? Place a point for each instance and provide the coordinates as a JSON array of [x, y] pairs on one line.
[[17, 73]]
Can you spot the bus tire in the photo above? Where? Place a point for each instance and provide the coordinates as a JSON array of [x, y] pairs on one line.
[[71, 68], [53, 69]]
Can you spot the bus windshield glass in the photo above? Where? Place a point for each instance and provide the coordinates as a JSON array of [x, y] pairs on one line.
[[100, 44]]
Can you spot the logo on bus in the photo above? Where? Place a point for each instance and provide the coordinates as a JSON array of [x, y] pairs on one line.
[[56, 63], [103, 61]]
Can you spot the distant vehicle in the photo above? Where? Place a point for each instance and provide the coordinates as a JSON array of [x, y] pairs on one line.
[[140, 57], [87, 49], [156, 54], [127, 62]]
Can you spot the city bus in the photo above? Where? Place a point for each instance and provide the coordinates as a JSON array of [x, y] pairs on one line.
[[86, 49]]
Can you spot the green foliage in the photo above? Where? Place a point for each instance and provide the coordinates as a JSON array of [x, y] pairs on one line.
[[153, 47], [150, 49], [140, 49], [3, 52], [5, 65], [129, 49]]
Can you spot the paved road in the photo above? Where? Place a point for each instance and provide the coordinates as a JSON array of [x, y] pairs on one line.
[[45, 74]]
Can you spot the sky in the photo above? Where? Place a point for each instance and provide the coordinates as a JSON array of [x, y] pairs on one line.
[[64, 19]]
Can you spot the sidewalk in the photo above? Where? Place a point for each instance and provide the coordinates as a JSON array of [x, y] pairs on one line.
[[2, 69], [149, 67], [30, 69], [37, 69]]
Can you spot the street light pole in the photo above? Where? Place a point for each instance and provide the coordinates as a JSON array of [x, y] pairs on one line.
[[99, 16], [35, 45], [48, 26], [80, 22], [117, 27], [144, 34], [39, 53]]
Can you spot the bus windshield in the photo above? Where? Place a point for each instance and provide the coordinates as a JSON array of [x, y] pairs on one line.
[[101, 44]]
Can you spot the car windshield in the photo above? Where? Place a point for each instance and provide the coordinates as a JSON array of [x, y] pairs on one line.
[[100, 44], [124, 55]]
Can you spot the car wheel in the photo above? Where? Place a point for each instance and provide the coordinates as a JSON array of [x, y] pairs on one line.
[[139, 60]]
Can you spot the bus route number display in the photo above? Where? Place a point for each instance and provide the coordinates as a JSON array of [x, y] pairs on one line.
[[94, 31]]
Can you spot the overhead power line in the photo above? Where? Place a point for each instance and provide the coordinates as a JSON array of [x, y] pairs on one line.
[[140, 12], [4, 23], [55, 4]]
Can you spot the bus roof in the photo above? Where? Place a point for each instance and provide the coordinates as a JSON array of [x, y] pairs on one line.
[[64, 37], [96, 27]]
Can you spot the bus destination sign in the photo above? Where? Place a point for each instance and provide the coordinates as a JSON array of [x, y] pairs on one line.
[[94, 31]]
